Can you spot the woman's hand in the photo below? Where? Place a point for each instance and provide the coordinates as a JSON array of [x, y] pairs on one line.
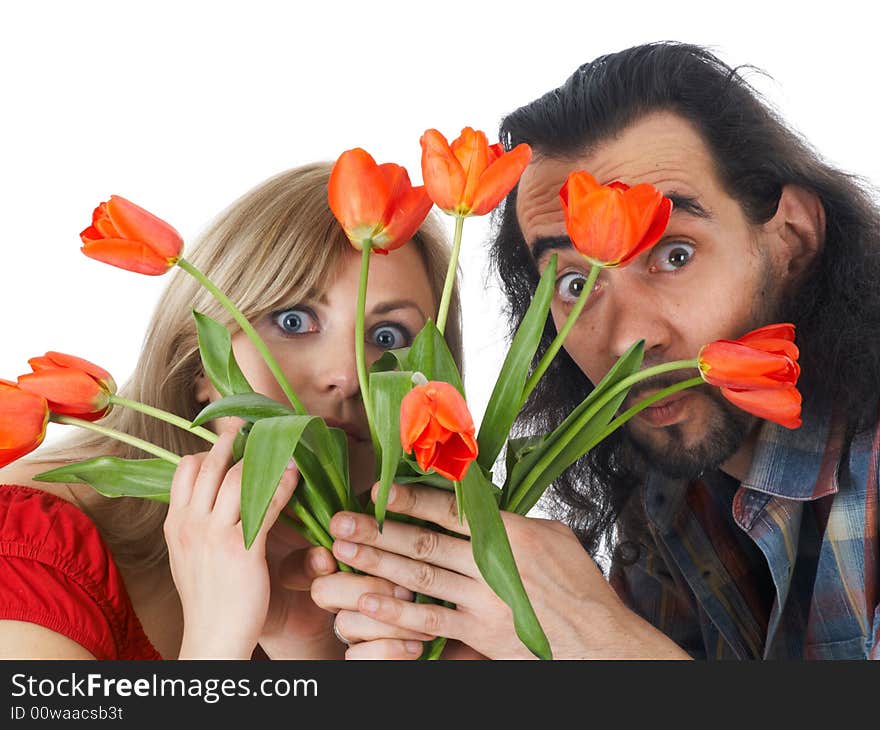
[[579, 612], [224, 588]]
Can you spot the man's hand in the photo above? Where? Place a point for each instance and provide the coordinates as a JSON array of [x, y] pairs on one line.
[[580, 613]]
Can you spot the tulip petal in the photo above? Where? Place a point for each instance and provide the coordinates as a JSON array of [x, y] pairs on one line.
[[443, 174], [649, 211], [358, 195], [128, 255], [599, 226], [23, 420], [500, 178], [69, 392], [780, 405], [451, 409], [735, 365], [410, 212], [784, 331], [415, 414], [71, 361], [471, 149], [136, 224]]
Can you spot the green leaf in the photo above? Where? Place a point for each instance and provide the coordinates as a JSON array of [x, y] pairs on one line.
[[392, 360], [430, 356], [517, 449], [505, 401], [269, 448], [330, 447], [218, 359], [115, 477], [494, 558], [573, 438], [249, 406], [387, 390]]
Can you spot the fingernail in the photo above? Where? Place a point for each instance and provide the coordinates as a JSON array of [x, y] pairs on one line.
[[370, 604], [320, 563], [413, 647], [402, 593], [392, 494], [291, 464], [345, 549], [344, 526]]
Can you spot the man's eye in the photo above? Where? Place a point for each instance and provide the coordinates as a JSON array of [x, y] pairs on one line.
[[671, 256], [389, 336], [296, 321], [569, 286]]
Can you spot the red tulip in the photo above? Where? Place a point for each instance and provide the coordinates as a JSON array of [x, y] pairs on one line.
[[612, 224], [72, 386], [375, 203], [470, 176], [436, 425], [125, 235], [23, 419], [757, 372]]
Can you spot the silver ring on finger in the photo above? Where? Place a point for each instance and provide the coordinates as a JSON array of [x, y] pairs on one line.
[[338, 634]]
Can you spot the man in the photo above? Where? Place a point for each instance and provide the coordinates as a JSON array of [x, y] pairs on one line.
[[731, 537]]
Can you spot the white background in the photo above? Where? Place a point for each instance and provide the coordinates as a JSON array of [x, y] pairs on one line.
[[182, 107]]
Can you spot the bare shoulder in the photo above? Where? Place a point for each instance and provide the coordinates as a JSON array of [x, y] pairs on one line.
[[25, 640], [23, 473]]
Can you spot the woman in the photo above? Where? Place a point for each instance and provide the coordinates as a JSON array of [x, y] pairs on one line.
[[281, 256]]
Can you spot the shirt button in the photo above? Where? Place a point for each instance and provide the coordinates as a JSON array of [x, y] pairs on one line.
[[627, 553]]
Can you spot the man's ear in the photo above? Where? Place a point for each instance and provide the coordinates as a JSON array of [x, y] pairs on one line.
[[799, 222]]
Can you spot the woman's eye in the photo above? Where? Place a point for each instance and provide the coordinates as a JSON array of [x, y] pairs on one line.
[[389, 336], [569, 286], [671, 256], [296, 321]]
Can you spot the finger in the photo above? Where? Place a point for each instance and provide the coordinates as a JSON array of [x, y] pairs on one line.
[[283, 493], [419, 543], [301, 567], [214, 467], [356, 627], [426, 503], [183, 481], [426, 618], [417, 576], [227, 506], [385, 649], [343, 590]]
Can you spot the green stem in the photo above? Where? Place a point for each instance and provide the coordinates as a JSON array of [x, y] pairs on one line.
[[171, 418], [313, 526], [559, 340], [584, 419], [125, 438], [443, 312], [641, 405], [359, 342], [249, 330]]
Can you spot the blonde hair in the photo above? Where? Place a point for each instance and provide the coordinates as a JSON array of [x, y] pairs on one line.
[[279, 240]]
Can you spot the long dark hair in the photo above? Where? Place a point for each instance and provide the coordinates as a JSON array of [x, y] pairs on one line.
[[836, 310]]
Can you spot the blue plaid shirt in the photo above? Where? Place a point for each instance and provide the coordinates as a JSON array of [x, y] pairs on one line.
[[785, 567]]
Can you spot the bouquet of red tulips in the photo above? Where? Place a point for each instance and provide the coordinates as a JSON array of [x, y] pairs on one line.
[[420, 425]]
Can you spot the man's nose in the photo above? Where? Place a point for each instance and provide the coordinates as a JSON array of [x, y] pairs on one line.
[[635, 313]]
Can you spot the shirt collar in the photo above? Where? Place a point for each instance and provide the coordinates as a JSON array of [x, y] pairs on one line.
[[801, 463]]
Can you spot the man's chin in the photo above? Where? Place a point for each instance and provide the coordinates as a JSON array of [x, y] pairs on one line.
[[686, 449]]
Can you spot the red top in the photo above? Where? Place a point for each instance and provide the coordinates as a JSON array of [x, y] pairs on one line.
[[56, 571]]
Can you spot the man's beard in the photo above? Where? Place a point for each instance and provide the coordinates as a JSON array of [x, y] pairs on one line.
[[725, 432]]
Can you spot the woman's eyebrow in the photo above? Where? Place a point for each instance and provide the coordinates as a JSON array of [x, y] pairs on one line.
[[391, 305]]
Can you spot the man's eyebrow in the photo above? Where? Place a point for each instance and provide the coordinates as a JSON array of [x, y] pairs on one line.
[[394, 304], [549, 243], [688, 204]]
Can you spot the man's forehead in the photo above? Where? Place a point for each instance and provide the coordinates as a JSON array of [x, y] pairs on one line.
[[662, 149]]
